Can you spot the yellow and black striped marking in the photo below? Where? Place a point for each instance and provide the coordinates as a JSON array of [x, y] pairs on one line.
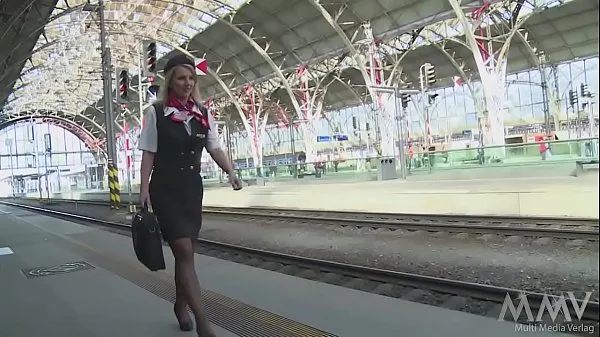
[[113, 186]]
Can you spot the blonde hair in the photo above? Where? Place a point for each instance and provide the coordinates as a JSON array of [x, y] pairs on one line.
[[163, 92]]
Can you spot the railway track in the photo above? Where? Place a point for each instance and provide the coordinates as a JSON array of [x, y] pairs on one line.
[[559, 228], [481, 299]]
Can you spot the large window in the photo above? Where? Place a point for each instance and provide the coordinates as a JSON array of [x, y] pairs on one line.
[[455, 109], [20, 142]]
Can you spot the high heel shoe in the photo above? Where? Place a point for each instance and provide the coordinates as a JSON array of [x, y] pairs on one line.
[[186, 325]]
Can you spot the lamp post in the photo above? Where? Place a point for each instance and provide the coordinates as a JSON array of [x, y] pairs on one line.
[[8, 143], [48, 150], [140, 86], [544, 85], [36, 153], [226, 136], [129, 163], [293, 143], [426, 77]]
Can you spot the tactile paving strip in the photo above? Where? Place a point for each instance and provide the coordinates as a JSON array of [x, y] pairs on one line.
[[230, 314]]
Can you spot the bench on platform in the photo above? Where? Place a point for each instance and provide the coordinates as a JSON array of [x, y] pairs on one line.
[[580, 165]]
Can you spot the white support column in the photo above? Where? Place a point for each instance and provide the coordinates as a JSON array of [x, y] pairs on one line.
[[255, 122], [383, 101], [313, 99], [493, 76], [311, 112]]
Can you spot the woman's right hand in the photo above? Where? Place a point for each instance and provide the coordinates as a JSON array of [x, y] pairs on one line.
[[144, 198]]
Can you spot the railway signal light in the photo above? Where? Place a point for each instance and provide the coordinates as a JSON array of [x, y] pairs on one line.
[[354, 123], [573, 99], [151, 60], [123, 75], [405, 98], [585, 91], [430, 73], [426, 75]]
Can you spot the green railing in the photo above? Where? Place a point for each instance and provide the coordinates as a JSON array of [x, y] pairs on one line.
[[561, 151], [422, 165], [523, 154]]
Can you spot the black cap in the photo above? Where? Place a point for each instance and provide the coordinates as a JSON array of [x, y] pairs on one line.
[[178, 60]]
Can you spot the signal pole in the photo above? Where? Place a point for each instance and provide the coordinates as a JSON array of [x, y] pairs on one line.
[[398, 92], [140, 93], [574, 102], [588, 107], [426, 77], [111, 148]]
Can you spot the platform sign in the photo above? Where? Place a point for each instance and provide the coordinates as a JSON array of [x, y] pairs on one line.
[[340, 138], [323, 139], [201, 66], [152, 93]]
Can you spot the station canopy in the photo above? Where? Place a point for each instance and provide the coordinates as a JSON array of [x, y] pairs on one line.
[[64, 71]]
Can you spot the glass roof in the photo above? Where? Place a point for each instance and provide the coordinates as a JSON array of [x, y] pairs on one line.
[[452, 28], [64, 72]]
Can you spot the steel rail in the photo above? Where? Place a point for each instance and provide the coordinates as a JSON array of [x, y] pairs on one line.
[[433, 223], [442, 285], [574, 229]]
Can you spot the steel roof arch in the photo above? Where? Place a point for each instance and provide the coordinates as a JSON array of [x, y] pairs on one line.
[[93, 143]]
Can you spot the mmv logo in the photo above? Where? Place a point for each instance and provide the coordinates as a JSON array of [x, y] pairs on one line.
[[553, 307]]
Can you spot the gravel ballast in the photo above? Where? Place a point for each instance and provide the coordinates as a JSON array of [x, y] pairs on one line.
[[530, 264]]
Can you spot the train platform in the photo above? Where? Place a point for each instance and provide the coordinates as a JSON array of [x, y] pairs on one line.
[[63, 279], [51, 289], [528, 196]]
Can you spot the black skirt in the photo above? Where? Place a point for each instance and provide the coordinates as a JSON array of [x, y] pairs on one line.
[[177, 204]]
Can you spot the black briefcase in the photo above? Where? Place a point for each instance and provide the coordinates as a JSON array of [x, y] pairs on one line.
[[147, 240]]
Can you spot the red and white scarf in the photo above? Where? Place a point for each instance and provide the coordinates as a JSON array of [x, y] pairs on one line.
[[186, 110]]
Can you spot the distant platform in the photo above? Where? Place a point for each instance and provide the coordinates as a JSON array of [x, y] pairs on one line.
[[552, 197], [529, 196], [52, 289]]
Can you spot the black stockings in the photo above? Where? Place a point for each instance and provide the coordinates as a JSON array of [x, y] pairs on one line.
[[187, 286]]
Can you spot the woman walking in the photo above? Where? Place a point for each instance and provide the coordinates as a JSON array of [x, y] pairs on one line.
[[177, 128]]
